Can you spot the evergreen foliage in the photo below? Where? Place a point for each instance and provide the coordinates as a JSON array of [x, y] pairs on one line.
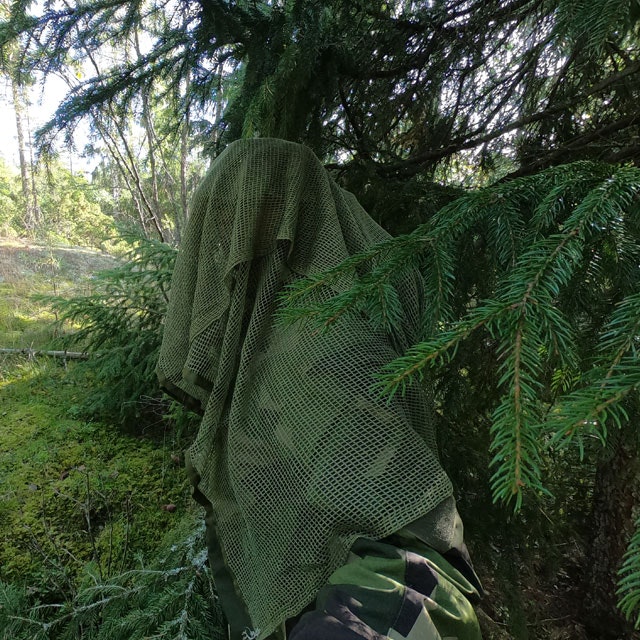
[[629, 585], [119, 325], [401, 87], [170, 598], [552, 313]]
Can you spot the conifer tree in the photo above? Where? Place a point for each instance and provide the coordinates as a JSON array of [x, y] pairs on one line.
[[531, 274], [119, 323], [398, 88], [551, 310]]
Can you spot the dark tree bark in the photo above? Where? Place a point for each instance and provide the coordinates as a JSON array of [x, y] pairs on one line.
[[616, 494]]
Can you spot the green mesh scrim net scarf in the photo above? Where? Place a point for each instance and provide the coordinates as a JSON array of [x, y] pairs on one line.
[[295, 452]]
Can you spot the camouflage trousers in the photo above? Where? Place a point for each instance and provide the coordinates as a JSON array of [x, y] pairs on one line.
[[397, 589]]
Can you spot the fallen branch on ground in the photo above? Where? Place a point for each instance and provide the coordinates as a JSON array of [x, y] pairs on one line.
[[72, 355]]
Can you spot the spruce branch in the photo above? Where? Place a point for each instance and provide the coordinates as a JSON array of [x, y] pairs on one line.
[[629, 580], [402, 371], [547, 234], [362, 283], [614, 376], [515, 440]]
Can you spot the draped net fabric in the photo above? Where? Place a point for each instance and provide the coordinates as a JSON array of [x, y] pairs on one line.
[[296, 453]]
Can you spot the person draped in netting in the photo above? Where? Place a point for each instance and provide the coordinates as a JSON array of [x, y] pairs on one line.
[[328, 513]]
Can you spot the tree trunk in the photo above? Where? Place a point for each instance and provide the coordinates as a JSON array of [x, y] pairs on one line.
[[27, 351], [32, 169], [17, 94], [616, 495], [183, 214]]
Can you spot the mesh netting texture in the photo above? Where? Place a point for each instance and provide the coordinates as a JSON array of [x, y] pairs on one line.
[[296, 453]]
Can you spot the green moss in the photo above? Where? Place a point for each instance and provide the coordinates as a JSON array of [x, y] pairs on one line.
[[72, 491]]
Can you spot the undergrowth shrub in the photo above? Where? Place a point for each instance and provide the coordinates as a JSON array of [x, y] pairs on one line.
[[171, 597], [119, 325]]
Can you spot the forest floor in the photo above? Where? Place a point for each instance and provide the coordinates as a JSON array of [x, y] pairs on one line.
[[72, 490]]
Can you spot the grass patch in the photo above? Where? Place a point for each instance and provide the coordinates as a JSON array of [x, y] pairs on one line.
[[23, 321], [73, 491], [27, 271]]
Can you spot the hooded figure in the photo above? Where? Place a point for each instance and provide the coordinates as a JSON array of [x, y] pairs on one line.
[[296, 457]]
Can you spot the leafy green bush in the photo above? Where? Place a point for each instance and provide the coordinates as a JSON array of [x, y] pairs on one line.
[[9, 201], [69, 209]]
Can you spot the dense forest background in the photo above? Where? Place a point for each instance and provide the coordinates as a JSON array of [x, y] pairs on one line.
[[497, 140]]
